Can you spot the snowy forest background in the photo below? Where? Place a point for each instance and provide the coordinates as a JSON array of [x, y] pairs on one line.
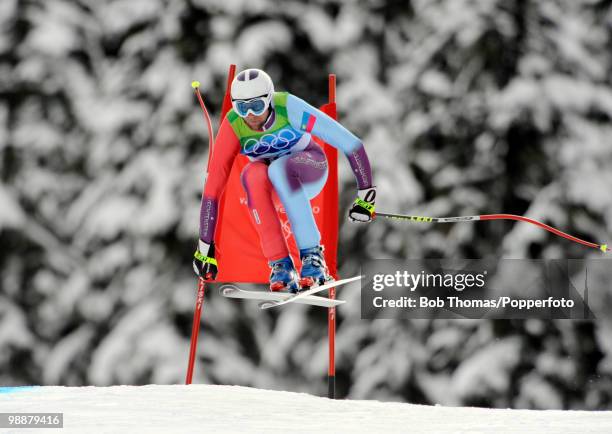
[[466, 106]]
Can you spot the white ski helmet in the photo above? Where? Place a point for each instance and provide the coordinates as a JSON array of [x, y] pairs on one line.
[[251, 91]]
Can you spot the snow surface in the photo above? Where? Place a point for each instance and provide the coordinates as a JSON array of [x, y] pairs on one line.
[[233, 409]]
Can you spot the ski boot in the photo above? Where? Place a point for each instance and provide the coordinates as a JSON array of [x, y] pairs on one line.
[[314, 271], [284, 276]]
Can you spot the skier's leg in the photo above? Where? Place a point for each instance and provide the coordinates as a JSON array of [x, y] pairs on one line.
[[263, 214], [259, 191], [298, 178]]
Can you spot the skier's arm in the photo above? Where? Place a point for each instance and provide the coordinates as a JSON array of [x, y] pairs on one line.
[[305, 117], [226, 148]]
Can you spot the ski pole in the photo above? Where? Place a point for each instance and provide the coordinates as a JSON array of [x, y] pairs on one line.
[[197, 315], [603, 247], [196, 87]]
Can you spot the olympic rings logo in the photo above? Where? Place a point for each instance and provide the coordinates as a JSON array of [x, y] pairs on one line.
[[270, 143]]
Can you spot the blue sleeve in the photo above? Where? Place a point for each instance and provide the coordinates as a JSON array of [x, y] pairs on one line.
[[304, 117]]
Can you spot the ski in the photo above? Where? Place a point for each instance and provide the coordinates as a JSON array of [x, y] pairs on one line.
[[304, 294], [231, 291]]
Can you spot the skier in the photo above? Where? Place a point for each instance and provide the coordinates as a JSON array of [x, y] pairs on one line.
[[274, 130]]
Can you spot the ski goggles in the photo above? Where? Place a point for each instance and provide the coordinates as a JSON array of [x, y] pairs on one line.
[[257, 105]]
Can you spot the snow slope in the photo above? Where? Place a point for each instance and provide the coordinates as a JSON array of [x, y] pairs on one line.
[[232, 409]]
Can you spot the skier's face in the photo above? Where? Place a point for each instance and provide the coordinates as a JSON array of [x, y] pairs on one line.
[[256, 122]]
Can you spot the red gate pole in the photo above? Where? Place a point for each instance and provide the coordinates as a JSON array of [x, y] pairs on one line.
[[331, 331], [331, 313], [195, 329]]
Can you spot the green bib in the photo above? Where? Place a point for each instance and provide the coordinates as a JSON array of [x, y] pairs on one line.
[[271, 143]]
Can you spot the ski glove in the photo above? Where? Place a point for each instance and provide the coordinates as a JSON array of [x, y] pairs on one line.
[[362, 209], [204, 262]]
